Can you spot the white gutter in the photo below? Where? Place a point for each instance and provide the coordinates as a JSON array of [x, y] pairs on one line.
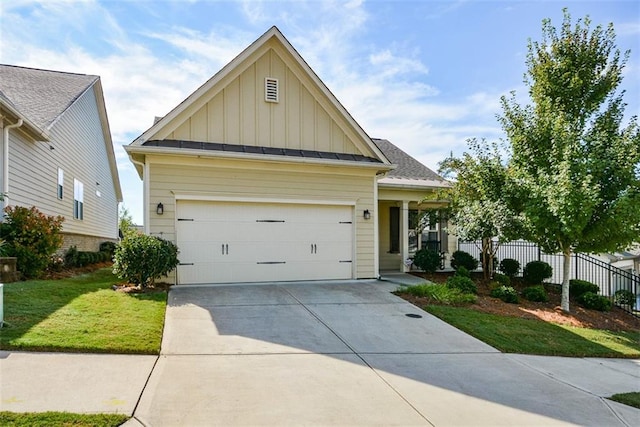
[[5, 161]]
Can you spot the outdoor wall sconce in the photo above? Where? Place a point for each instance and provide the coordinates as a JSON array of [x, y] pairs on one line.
[[367, 214], [160, 209]]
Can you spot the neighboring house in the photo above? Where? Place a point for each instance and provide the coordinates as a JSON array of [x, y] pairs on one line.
[[261, 174], [57, 153]]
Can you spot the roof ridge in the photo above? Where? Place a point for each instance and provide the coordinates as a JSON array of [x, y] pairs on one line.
[[50, 71]]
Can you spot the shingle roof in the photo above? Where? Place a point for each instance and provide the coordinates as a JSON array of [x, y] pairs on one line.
[[407, 166], [214, 146], [41, 95]]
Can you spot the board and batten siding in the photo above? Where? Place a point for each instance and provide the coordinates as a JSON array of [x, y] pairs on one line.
[[77, 146], [224, 179], [234, 111]]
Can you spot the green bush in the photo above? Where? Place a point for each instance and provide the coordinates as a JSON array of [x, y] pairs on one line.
[[535, 293], [463, 259], [108, 247], [75, 258], [140, 259], [624, 297], [577, 288], [441, 294], [462, 272], [504, 280], [32, 237], [427, 260], [536, 272], [464, 284], [595, 302], [510, 267], [506, 294]]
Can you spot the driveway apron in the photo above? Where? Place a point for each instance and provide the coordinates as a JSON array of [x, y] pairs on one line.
[[343, 353]]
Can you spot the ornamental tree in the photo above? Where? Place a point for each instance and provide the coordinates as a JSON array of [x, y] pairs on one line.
[[482, 200], [575, 163]]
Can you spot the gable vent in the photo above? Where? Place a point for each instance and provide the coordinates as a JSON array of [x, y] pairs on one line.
[[271, 89]]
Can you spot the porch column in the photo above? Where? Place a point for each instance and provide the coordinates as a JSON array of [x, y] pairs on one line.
[[404, 235]]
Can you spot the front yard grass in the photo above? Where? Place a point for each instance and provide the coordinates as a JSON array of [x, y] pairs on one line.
[[631, 399], [526, 336], [81, 314], [54, 419]]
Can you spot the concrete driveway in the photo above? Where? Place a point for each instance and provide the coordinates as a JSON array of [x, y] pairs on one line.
[[353, 354]]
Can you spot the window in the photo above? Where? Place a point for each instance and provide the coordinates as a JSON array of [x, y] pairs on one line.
[[78, 199], [271, 89], [60, 183], [423, 231]]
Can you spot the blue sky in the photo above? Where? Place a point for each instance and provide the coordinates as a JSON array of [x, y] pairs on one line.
[[426, 75]]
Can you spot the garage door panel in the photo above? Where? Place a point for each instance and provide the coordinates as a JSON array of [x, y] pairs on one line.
[[253, 242]]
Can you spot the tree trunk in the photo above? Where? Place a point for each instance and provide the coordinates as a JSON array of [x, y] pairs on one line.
[[566, 271], [487, 258]]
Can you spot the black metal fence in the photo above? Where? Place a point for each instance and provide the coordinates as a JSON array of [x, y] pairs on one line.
[[622, 286]]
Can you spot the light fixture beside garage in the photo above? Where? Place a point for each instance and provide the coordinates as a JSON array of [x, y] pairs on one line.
[[160, 209], [367, 214]]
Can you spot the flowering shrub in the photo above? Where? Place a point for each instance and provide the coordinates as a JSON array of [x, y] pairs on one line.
[[32, 237], [141, 259]]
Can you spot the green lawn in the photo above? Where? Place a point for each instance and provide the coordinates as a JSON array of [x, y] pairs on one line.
[[514, 335], [62, 419], [631, 399], [81, 314]]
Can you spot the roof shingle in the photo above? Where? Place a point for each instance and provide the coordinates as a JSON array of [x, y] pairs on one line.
[[407, 166]]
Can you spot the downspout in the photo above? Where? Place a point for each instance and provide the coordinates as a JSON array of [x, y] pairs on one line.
[[5, 162]]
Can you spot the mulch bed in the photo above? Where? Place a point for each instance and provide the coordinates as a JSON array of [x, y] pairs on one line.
[[614, 320]]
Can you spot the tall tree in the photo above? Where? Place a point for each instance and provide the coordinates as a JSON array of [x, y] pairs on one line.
[[575, 162], [481, 200]]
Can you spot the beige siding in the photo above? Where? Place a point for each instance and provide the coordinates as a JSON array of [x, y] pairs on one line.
[[236, 111], [79, 150], [211, 179]]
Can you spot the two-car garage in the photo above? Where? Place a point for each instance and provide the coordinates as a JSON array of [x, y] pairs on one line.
[[227, 242]]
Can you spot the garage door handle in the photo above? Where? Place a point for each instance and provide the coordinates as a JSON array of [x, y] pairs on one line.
[[225, 249], [314, 248]]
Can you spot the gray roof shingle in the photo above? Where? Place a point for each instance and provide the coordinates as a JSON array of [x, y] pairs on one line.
[[41, 95], [407, 166]]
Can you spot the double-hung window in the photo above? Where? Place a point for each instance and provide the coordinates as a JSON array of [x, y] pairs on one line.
[[60, 183], [78, 199]]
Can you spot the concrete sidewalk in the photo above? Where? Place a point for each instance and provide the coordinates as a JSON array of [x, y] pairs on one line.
[[334, 353]]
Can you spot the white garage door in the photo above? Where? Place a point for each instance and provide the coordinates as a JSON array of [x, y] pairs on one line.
[[223, 242]]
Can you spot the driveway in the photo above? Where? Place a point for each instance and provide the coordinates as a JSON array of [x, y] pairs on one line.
[[351, 353]]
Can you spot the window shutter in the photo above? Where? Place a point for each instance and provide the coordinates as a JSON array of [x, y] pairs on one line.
[[271, 89]]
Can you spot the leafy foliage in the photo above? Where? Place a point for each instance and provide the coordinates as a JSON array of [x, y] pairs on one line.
[[579, 287], [502, 279], [577, 166], [441, 294], [506, 294], [32, 237], [464, 284], [462, 272], [75, 258], [510, 267], [108, 247], [427, 260], [463, 259], [141, 259], [595, 302], [535, 293], [624, 297], [535, 272]]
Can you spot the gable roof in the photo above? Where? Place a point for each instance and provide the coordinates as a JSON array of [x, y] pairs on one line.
[[408, 171], [41, 96], [273, 34]]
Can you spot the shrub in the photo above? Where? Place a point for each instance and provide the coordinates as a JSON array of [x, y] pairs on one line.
[[140, 259], [427, 260], [502, 279], [463, 259], [510, 267], [108, 247], [464, 284], [506, 294], [624, 297], [577, 288], [536, 272], [593, 301], [535, 293], [441, 294], [462, 272], [32, 237]]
